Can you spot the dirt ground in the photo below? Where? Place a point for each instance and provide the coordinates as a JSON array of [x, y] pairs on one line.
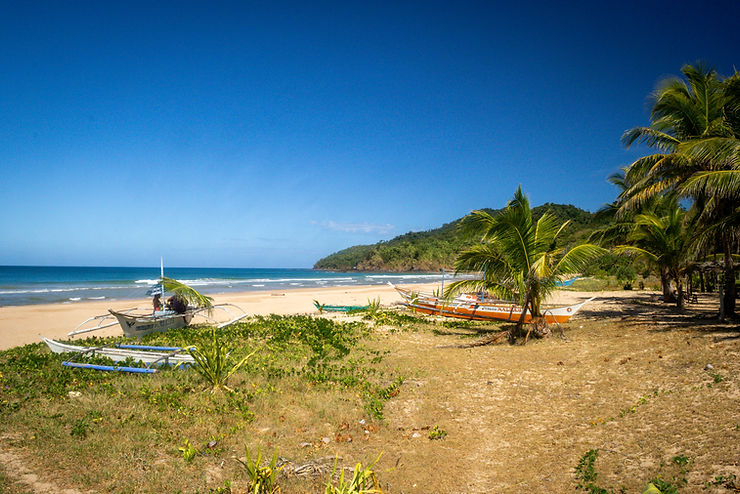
[[628, 376], [629, 381]]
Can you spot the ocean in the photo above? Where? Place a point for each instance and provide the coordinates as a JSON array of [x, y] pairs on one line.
[[28, 285]]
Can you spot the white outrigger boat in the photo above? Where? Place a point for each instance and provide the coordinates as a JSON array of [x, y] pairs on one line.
[[149, 355], [137, 322]]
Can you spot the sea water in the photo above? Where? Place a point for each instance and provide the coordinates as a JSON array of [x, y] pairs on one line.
[[26, 285]]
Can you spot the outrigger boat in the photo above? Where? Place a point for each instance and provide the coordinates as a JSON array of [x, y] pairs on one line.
[[150, 355], [339, 308], [469, 306], [137, 322]]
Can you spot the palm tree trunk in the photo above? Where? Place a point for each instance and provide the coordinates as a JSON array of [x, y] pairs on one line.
[[727, 305], [679, 290], [516, 330], [665, 284]]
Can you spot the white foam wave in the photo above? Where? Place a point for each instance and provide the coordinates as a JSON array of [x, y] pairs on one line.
[[60, 290], [405, 276], [147, 282]]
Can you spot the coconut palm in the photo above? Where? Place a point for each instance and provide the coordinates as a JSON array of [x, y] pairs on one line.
[[519, 256], [660, 238], [695, 126]]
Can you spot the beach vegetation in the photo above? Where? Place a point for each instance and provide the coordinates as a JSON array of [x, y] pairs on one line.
[[211, 361], [519, 258], [262, 478], [363, 480], [188, 451], [437, 433]]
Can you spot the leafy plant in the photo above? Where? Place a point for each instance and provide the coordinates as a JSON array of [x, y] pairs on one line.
[[662, 486], [586, 475], [717, 378], [210, 362], [376, 400], [262, 478], [79, 428], [437, 433], [363, 481], [680, 460], [188, 451], [728, 482], [373, 306]]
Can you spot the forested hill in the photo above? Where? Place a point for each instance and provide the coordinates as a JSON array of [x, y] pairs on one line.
[[433, 249]]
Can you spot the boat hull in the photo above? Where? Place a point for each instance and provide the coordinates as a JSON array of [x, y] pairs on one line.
[[136, 326], [121, 354], [482, 311]]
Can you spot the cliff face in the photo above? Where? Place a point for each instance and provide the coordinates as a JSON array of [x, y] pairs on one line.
[[434, 249]]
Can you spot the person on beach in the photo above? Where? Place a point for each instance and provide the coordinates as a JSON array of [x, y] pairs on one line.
[[157, 302], [176, 304]]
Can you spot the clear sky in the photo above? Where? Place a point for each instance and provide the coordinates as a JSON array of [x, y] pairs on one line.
[[270, 134]]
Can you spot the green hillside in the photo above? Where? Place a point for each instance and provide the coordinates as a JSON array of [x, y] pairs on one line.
[[433, 249]]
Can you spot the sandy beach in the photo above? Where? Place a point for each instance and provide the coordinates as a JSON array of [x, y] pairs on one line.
[[20, 325]]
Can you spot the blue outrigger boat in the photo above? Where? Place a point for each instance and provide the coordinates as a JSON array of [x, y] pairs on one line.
[[146, 354], [339, 308]]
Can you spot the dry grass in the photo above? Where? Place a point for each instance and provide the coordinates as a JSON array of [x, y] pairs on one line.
[[518, 418]]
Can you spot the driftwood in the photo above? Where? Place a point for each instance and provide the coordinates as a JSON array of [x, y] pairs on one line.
[[319, 467], [485, 341]]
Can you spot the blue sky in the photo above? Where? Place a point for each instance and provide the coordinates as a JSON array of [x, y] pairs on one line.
[[270, 134]]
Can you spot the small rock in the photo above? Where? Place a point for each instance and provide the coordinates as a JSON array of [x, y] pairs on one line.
[[211, 444], [709, 367], [325, 440], [305, 445], [362, 421], [74, 394], [415, 435]]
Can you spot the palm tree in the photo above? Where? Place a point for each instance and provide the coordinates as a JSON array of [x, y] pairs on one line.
[[660, 238], [695, 126], [519, 256]]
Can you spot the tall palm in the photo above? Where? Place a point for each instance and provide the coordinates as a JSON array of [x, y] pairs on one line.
[[519, 256], [660, 238], [694, 126]]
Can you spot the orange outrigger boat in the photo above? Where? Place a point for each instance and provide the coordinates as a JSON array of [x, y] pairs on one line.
[[472, 308]]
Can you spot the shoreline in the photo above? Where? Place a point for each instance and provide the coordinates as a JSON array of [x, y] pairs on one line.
[[24, 324]]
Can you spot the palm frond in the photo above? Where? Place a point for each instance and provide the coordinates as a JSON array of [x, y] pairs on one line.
[[577, 258], [720, 151], [636, 251], [186, 293], [650, 137], [721, 183]]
